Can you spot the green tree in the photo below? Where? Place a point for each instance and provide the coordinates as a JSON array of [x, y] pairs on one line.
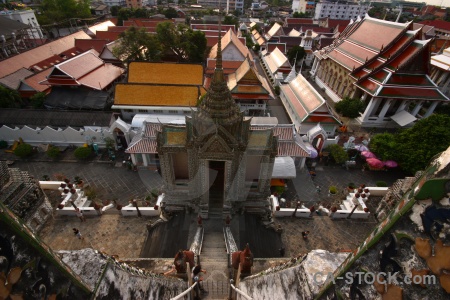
[[349, 107], [114, 10], [231, 20], [300, 15], [138, 45], [186, 44], [9, 98], [54, 11], [171, 13], [295, 53], [83, 152], [53, 152], [23, 150], [338, 153], [418, 144], [38, 99], [384, 145]]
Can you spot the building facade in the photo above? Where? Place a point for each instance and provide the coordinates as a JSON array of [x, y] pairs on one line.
[[340, 10], [440, 71], [229, 5], [388, 72]]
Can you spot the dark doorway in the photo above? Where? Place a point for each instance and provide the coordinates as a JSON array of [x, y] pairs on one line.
[[216, 181]]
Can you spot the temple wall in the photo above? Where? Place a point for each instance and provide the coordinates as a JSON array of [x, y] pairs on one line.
[[60, 137]]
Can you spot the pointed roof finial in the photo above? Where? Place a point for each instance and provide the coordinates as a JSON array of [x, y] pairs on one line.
[[219, 42]]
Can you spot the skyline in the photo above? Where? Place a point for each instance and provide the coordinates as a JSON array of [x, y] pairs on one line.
[[445, 3]]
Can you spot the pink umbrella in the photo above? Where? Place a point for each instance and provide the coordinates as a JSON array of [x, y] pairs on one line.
[[375, 163], [368, 154], [390, 164]]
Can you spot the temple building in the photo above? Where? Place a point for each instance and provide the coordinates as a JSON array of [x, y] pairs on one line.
[[215, 161], [440, 71], [386, 65]]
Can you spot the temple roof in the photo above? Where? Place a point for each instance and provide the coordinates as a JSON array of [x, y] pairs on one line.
[[230, 38], [165, 73], [276, 59], [401, 86], [442, 61], [276, 30], [156, 95]]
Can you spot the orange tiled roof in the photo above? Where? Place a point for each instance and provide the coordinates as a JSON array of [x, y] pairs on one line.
[[80, 65], [165, 73], [33, 80], [156, 95], [101, 77]]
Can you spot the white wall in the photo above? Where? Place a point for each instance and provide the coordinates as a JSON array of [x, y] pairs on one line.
[[60, 137]]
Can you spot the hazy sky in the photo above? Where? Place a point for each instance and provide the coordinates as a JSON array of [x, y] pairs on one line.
[[445, 3]]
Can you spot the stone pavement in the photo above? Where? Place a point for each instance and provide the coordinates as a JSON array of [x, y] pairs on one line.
[[125, 237]]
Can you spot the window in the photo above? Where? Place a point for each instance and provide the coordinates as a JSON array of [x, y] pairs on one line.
[[158, 111], [142, 110], [173, 111], [128, 110]]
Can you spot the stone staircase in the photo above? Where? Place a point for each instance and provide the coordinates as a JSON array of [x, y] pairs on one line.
[[213, 259]]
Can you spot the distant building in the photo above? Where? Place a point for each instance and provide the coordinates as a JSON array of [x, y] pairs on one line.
[[120, 3], [340, 10], [303, 6], [134, 3], [229, 6], [440, 71], [26, 17], [441, 28]]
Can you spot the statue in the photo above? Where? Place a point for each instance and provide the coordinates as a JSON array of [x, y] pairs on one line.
[[181, 258], [244, 260]]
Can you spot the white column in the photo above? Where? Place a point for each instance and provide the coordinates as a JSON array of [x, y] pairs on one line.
[[431, 109], [302, 163], [133, 159], [417, 108], [144, 159], [370, 108], [402, 106], [384, 110]]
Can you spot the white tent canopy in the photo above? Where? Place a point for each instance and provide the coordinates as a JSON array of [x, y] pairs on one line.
[[283, 168], [403, 118]]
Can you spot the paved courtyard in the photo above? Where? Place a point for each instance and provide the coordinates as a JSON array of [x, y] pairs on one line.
[[125, 237]]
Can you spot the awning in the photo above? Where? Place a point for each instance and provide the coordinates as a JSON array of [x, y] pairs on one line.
[[284, 167], [403, 118]]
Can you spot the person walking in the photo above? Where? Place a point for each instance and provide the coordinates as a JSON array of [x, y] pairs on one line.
[[79, 214], [196, 278], [305, 235], [77, 233]]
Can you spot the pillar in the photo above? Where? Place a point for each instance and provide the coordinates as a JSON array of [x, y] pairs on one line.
[[374, 102], [302, 163], [402, 106], [144, 160], [384, 110], [431, 109], [417, 108], [133, 159]]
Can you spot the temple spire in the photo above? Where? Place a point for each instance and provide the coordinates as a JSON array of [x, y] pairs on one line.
[[218, 72]]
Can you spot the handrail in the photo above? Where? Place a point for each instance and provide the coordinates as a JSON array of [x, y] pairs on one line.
[[239, 291], [185, 292]]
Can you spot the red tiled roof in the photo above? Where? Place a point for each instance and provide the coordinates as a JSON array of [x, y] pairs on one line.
[[290, 21], [384, 31], [118, 28], [35, 55], [272, 46], [211, 40], [332, 23], [292, 149], [410, 79], [345, 60], [411, 93], [151, 129], [85, 45], [143, 145], [369, 85], [440, 24], [357, 52], [406, 55], [33, 80], [107, 35], [80, 65], [225, 28], [101, 77], [229, 66]]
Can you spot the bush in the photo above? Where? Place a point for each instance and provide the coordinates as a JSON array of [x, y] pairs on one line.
[[3, 144], [338, 153], [333, 189], [23, 150], [83, 152], [349, 107], [53, 152], [351, 185], [381, 184], [277, 90]]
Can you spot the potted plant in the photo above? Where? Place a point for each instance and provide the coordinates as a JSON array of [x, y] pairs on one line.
[[79, 181], [363, 195], [366, 190], [357, 195], [66, 180], [73, 191], [46, 178], [119, 206], [63, 185], [332, 190], [351, 186], [60, 206], [65, 191]]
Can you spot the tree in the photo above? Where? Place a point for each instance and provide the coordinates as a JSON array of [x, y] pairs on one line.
[[338, 153], [138, 45], [349, 107], [171, 13], [417, 145], [54, 11], [231, 20], [83, 152], [9, 98], [186, 44], [114, 10], [300, 15], [384, 145], [53, 152], [296, 53], [38, 99], [23, 150]]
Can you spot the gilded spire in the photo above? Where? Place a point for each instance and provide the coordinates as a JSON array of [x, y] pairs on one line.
[[218, 72]]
